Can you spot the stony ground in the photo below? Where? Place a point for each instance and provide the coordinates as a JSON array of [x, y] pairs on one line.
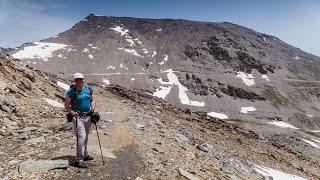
[[142, 137], [148, 140]]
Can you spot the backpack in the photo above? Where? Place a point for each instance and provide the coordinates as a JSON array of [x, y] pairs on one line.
[[74, 99]]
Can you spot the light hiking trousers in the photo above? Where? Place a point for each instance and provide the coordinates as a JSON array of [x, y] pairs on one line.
[[81, 127]]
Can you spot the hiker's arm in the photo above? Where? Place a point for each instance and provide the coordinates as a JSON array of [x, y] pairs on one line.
[[67, 105], [93, 104]]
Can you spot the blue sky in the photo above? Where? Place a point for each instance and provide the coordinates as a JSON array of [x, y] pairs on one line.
[[297, 22]]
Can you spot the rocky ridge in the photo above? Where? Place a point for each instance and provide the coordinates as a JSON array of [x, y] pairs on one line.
[[142, 137], [5, 50]]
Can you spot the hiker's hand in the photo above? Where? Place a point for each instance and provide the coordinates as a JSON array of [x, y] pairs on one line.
[[74, 114], [93, 120]]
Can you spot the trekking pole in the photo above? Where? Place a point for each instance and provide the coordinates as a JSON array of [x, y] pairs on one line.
[[95, 123], [77, 142]]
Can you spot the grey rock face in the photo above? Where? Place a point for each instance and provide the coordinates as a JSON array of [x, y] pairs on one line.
[[42, 165], [8, 103]]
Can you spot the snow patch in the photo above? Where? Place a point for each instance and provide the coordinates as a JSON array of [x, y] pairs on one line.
[[120, 30], [315, 131], [318, 141], [154, 54], [132, 51], [311, 143], [276, 175], [131, 42], [138, 41], [247, 109], [53, 103], [297, 57], [63, 85], [246, 78], [265, 77], [282, 124], [218, 115], [41, 50], [173, 80], [106, 81], [162, 91], [111, 67], [165, 59]]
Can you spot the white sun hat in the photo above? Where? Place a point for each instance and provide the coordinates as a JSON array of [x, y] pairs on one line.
[[78, 76]]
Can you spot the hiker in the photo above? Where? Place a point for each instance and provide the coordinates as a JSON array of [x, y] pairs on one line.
[[80, 104]]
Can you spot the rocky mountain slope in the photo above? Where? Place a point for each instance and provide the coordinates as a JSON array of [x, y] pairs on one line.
[[224, 69], [5, 50], [250, 80], [142, 137]]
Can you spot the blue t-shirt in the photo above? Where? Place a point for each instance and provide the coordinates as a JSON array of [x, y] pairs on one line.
[[83, 101]]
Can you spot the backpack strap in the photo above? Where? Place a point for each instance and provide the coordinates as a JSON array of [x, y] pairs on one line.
[[75, 94], [90, 91]]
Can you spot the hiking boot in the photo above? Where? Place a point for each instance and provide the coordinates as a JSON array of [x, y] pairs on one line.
[[88, 158], [80, 164]]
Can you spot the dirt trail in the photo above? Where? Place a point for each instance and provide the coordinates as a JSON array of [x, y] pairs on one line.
[[118, 136], [123, 160]]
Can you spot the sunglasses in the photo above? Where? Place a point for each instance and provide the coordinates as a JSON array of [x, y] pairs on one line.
[[78, 79]]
